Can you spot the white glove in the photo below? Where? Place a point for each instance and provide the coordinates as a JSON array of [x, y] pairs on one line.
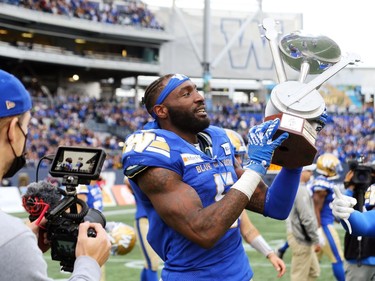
[[322, 240], [343, 207]]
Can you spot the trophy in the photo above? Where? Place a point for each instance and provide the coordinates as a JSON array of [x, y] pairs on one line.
[[298, 104]]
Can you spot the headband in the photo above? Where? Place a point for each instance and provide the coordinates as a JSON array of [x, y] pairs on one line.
[[175, 81]]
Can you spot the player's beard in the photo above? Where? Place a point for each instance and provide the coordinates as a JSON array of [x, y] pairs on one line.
[[187, 121]]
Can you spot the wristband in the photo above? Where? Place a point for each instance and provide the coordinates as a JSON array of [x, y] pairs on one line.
[[247, 183], [261, 245]]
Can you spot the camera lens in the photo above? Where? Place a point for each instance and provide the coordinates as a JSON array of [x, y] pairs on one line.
[[94, 215], [362, 175]]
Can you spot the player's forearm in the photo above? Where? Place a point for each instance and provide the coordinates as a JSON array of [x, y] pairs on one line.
[[281, 194], [209, 224], [363, 224], [261, 245]]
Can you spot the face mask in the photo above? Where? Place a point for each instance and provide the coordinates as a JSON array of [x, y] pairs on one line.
[[19, 161]]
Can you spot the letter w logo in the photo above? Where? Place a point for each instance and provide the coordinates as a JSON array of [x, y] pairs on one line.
[[249, 44]]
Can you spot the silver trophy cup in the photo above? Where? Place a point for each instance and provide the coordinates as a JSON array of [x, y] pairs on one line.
[[299, 105]]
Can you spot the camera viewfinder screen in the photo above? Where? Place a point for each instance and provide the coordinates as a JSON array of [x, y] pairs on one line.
[[76, 162]]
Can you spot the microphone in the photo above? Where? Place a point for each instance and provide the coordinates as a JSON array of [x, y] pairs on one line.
[[39, 198]]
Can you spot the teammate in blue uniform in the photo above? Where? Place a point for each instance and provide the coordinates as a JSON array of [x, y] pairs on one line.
[[91, 194], [329, 167], [184, 172], [152, 260]]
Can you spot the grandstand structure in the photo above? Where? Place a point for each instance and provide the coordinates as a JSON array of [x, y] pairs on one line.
[[49, 48], [91, 49], [54, 45], [74, 56]]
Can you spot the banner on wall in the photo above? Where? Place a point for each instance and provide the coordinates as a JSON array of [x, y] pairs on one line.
[[123, 195], [115, 194], [109, 179]]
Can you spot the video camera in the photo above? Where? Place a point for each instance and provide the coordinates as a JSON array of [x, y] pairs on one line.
[[75, 165], [364, 174], [363, 177]]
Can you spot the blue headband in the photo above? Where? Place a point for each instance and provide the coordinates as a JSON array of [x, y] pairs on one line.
[[175, 81]]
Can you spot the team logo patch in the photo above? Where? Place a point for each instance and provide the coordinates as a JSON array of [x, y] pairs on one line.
[[226, 148], [189, 159], [10, 104]]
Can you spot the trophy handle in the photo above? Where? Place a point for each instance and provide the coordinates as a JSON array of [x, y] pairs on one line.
[[269, 25], [319, 80]]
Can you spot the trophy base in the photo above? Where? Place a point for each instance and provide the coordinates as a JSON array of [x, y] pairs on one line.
[[298, 149]]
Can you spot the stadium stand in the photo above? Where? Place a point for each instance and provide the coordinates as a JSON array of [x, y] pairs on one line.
[[84, 121], [128, 46], [133, 13]]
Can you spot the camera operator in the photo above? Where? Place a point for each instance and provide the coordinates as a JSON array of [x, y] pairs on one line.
[[359, 250], [21, 259]]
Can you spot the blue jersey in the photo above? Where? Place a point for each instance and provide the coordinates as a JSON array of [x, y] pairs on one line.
[[324, 183], [211, 177], [94, 195], [140, 210]]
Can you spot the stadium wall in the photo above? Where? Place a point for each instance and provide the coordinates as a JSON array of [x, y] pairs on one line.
[[248, 58]]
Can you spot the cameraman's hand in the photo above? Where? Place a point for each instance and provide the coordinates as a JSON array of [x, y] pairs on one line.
[[41, 234], [348, 180], [343, 207], [261, 146], [96, 247]]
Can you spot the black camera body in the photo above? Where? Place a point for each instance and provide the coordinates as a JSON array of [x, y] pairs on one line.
[[364, 174], [62, 226], [363, 177], [62, 231]]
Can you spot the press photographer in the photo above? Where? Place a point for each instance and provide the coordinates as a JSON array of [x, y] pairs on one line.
[[359, 251], [358, 179], [21, 257]]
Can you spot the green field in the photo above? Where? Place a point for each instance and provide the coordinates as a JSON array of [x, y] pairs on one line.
[[128, 267]]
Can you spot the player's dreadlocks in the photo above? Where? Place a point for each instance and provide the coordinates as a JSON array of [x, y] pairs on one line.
[[152, 92]]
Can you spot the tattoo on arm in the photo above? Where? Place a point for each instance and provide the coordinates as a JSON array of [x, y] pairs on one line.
[[257, 201]]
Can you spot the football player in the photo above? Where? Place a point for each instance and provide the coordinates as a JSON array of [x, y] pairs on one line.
[[184, 172], [152, 260], [328, 167], [122, 237]]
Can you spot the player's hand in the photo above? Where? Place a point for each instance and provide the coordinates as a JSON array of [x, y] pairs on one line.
[[317, 248], [96, 247], [322, 120], [343, 207], [322, 240], [278, 264], [261, 146]]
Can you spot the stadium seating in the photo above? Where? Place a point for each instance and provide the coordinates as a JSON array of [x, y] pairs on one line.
[[83, 121]]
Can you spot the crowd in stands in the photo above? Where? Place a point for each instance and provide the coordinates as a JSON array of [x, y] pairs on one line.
[[66, 122], [129, 12]]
